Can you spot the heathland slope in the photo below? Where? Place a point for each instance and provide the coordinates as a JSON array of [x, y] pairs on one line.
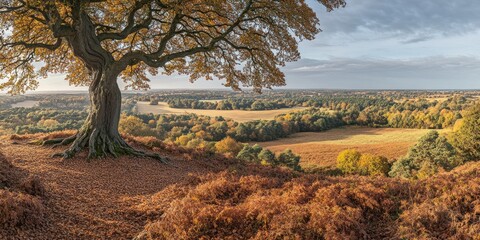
[[210, 197], [96, 199]]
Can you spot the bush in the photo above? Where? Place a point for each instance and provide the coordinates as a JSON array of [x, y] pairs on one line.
[[19, 209], [372, 165], [289, 159], [183, 140], [347, 161], [228, 145], [134, 126], [447, 207], [248, 154], [403, 168], [431, 153], [272, 205], [267, 157], [20, 199]]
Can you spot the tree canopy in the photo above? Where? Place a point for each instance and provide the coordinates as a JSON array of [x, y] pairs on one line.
[[242, 42]]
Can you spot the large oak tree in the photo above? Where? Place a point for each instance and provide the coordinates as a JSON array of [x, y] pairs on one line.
[[243, 42]]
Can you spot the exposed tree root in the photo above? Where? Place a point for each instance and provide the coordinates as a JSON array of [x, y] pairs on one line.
[[60, 141], [99, 145]]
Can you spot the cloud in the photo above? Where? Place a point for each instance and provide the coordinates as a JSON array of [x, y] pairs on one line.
[[350, 64], [403, 18], [417, 40], [355, 73]]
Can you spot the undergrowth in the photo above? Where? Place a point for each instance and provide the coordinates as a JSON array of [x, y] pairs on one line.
[[269, 205]]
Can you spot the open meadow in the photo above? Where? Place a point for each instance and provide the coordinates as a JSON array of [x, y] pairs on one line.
[[322, 148], [237, 115], [25, 104]]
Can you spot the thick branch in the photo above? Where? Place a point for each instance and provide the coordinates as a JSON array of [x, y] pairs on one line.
[[156, 59], [131, 27], [51, 47]]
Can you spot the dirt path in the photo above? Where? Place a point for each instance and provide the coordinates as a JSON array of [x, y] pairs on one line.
[[95, 200]]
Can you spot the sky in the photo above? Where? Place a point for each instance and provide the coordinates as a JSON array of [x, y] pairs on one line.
[[371, 44]]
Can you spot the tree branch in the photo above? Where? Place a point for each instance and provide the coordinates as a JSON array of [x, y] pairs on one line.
[[156, 59], [131, 26], [51, 47]]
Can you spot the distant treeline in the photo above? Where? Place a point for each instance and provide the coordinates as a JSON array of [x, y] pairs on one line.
[[328, 112], [36, 120], [231, 104], [330, 102], [365, 111]]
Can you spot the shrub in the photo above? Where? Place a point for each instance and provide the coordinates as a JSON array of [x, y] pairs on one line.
[[426, 170], [257, 148], [134, 126], [267, 157], [271, 205], [372, 165], [19, 209], [48, 123], [289, 159], [228, 145], [403, 168], [446, 206], [248, 154], [347, 161], [267, 207], [184, 139]]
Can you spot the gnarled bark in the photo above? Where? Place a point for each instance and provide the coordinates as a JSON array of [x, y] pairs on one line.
[[100, 130]]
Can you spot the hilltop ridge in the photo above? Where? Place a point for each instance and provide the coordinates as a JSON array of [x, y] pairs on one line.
[[214, 197]]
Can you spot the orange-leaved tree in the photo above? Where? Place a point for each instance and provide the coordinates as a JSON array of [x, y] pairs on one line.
[[243, 42]]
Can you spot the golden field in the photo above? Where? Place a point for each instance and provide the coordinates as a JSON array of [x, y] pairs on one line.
[[322, 148], [237, 115]]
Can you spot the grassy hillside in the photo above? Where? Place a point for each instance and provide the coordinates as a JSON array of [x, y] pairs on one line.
[[212, 197]]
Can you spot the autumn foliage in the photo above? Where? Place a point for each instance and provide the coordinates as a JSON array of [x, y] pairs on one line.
[[351, 161], [20, 199], [251, 201], [274, 204]]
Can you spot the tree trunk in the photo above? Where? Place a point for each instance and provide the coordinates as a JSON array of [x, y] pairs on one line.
[[100, 131]]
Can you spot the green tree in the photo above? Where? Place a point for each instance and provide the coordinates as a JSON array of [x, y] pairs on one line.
[[467, 139], [267, 157], [403, 167], [289, 159], [426, 157], [248, 154], [436, 149]]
